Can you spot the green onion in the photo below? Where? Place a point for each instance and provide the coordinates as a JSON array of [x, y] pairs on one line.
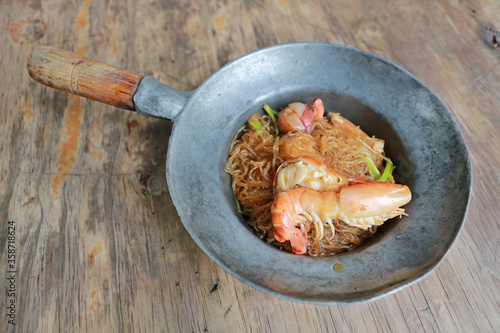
[[255, 125], [237, 204], [372, 168], [271, 114], [387, 171], [391, 179], [270, 110]]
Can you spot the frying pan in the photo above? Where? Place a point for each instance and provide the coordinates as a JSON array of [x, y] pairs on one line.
[[385, 100]]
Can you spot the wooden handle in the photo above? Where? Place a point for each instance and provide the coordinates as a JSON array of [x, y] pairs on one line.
[[75, 74]]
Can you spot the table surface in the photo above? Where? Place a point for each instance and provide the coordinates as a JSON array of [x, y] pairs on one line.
[[98, 243]]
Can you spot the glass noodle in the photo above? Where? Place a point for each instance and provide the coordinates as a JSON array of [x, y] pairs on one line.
[[256, 153]]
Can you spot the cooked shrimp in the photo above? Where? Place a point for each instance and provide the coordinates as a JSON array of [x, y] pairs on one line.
[[318, 108], [295, 117], [299, 116], [307, 172], [362, 205]]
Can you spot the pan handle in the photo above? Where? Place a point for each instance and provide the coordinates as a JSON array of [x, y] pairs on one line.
[[72, 73]]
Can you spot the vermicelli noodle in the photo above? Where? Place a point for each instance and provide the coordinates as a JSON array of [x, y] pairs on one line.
[[256, 154]]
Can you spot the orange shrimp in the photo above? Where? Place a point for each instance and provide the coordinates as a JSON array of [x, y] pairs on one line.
[[361, 205], [318, 108]]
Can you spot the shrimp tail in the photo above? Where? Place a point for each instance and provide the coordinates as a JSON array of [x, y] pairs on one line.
[[299, 242], [318, 108], [284, 217]]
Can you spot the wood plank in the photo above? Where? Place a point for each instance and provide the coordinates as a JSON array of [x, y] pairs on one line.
[[99, 244]]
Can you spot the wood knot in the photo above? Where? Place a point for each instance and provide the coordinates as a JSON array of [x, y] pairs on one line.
[[27, 31]]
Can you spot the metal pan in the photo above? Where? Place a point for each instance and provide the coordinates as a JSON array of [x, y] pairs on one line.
[[385, 100]]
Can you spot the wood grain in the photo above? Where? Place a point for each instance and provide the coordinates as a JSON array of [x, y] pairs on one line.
[[99, 245], [75, 74]]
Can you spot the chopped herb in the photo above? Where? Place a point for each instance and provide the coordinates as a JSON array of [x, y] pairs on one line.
[[374, 172], [271, 114], [391, 179], [270, 110], [255, 125], [372, 168], [387, 171], [237, 203]]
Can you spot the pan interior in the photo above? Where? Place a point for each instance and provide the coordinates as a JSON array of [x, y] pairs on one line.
[[386, 101], [369, 120]]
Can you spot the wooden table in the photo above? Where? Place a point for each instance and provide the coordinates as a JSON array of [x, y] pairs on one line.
[[98, 243]]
